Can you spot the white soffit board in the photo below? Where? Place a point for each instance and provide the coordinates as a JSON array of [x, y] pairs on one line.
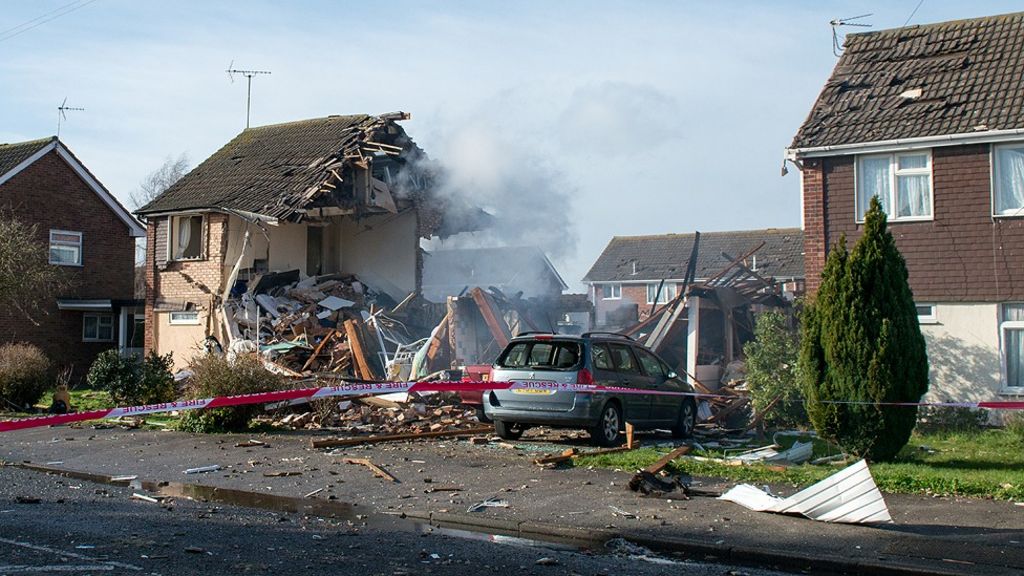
[[849, 496]]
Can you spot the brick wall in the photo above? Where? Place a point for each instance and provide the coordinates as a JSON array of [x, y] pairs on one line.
[[962, 255], [194, 281], [49, 193]]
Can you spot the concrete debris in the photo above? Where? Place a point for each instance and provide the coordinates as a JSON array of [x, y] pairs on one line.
[[849, 496]]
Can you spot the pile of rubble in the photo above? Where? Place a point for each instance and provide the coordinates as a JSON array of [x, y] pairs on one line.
[[389, 414]]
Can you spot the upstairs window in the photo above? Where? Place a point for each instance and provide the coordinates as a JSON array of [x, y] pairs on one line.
[[611, 291], [1008, 180], [902, 182], [668, 292], [186, 238], [65, 248]]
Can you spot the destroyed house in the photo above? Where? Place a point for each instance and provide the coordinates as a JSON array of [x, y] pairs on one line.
[[930, 119], [91, 237], [340, 197], [635, 274], [522, 270]]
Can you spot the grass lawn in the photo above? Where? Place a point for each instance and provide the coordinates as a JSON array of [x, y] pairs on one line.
[[987, 463], [84, 400]]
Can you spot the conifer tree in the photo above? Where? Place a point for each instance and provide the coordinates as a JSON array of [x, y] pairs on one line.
[[861, 346]]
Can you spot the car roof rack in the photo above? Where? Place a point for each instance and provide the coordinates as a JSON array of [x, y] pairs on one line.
[[599, 333], [529, 332]]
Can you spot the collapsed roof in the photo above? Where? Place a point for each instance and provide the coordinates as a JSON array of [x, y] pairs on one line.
[[957, 77], [357, 164], [666, 256]]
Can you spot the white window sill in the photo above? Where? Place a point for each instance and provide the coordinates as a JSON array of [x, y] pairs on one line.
[[905, 219], [68, 264], [1017, 213], [619, 298], [1012, 391]]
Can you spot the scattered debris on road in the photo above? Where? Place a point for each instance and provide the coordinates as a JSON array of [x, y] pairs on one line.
[[849, 496], [489, 503], [377, 470], [203, 469]]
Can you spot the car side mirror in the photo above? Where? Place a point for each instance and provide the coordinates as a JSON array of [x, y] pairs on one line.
[[673, 375]]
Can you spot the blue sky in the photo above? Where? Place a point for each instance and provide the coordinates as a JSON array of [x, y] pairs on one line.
[[592, 118]]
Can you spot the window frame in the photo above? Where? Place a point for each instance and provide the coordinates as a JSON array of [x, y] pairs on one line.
[[668, 286], [190, 322], [172, 234], [1004, 326], [79, 245], [616, 290], [932, 317], [894, 174], [98, 316], [994, 179]]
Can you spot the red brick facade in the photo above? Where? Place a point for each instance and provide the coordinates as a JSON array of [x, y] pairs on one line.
[[50, 194], [962, 255]]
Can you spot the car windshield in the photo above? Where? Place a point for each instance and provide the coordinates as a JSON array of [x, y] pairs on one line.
[[546, 355]]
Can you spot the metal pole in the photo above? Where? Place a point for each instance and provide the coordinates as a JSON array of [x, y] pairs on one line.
[[248, 98]]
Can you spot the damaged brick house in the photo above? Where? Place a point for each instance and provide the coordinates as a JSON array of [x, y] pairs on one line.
[[931, 120], [91, 236], [624, 281], [341, 194]]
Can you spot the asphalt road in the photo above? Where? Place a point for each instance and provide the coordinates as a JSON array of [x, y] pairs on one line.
[[52, 524]]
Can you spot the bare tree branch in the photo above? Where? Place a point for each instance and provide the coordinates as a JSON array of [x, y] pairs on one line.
[[159, 180], [27, 279]]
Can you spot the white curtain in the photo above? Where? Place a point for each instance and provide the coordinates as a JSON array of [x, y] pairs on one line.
[[1014, 356], [873, 180], [184, 235], [1010, 189], [913, 197]]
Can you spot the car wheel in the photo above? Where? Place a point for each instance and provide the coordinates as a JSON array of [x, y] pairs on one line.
[[687, 420], [481, 416], [508, 430], [608, 429]]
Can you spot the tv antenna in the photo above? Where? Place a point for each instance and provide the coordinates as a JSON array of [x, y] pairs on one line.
[[62, 116], [248, 77], [837, 47]]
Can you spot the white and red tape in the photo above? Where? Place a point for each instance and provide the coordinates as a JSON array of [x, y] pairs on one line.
[[374, 388]]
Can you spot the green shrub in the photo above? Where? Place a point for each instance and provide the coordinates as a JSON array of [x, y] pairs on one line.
[[941, 420], [771, 372], [1015, 425], [24, 376], [131, 380], [861, 343], [216, 376]]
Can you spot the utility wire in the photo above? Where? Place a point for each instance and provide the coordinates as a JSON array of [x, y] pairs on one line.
[[43, 19], [914, 12]]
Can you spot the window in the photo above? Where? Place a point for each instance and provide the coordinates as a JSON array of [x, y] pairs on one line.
[[651, 365], [902, 182], [602, 357], [611, 291], [1012, 328], [668, 292], [186, 238], [926, 314], [185, 317], [97, 327], [545, 355], [1008, 180], [65, 248], [623, 359]]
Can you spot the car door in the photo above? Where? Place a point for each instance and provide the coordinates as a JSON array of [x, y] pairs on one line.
[[637, 407], [664, 408]]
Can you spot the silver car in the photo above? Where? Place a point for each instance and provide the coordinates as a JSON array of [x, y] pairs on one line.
[[593, 358]]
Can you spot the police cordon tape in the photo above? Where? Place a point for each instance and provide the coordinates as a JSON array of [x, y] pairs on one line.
[[376, 388]]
